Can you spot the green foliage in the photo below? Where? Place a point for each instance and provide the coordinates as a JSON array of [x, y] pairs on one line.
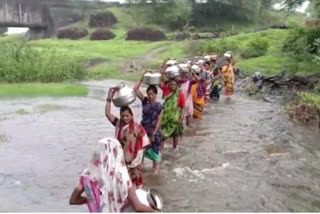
[[301, 42], [317, 55], [219, 46], [305, 108], [270, 61], [172, 14], [308, 98], [255, 48], [22, 63], [41, 89]]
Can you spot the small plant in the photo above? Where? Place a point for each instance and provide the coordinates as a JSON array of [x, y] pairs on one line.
[[310, 99], [251, 90], [306, 108]]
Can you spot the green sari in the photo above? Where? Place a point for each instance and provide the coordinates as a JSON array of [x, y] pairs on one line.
[[170, 126]]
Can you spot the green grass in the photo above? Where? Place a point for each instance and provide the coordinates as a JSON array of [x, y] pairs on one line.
[[273, 62], [12, 38], [309, 98], [112, 50], [177, 50], [40, 89], [110, 71]]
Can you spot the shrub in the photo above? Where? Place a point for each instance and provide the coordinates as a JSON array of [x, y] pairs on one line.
[[102, 19], [26, 64], [306, 108], [71, 33], [147, 34], [219, 46], [255, 48], [301, 41], [102, 34]]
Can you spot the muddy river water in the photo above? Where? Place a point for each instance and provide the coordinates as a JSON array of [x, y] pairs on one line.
[[245, 155]]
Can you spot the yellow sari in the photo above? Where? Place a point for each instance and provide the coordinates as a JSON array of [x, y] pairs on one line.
[[198, 101], [227, 72]]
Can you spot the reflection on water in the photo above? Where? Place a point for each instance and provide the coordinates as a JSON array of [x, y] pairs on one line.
[[245, 156]]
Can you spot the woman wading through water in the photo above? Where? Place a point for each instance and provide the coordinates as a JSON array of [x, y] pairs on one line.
[[132, 137], [173, 115], [152, 112], [106, 182]]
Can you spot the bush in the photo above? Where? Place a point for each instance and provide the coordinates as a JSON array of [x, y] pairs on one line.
[[71, 33], [219, 46], [255, 48], [147, 34], [26, 64], [306, 108], [102, 34], [102, 19], [301, 41]]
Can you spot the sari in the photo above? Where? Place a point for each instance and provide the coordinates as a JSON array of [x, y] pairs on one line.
[[106, 181], [198, 97], [150, 114], [171, 115], [185, 89], [228, 79], [208, 79], [133, 139]]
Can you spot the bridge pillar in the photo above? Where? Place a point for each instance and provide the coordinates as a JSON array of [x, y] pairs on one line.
[[27, 13]]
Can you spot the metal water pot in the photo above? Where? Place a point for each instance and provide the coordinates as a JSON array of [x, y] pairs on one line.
[[173, 71], [171, 62], [151, 78], [150, 198], [123, 96], [185, 68], [196, 69], [207, 58]]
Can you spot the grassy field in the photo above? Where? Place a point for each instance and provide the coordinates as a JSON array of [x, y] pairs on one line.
[[42, 89]]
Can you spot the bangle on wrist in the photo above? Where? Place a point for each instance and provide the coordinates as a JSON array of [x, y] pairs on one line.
[[108, 99]]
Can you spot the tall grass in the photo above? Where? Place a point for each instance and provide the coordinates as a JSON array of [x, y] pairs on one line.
[[22, 63]]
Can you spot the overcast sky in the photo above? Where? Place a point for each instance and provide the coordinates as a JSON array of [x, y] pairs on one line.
[[13, 30]]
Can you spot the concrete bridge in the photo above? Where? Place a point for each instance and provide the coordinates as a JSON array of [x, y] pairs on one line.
[[37, 16]]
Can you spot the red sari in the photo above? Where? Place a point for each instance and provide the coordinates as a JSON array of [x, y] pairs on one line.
[[133, 139]]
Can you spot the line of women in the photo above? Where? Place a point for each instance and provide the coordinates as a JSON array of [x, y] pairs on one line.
[[116, 169]]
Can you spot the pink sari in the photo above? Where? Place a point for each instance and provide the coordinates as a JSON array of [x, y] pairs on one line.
[[106, 181]]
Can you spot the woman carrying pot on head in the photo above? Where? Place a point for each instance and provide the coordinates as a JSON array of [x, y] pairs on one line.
[[228, 75], [185, 82], [151, 121], [207, 75], [164, 80], [106, 182], [216, 85], [198, 89], [132, 137], [172, 119]]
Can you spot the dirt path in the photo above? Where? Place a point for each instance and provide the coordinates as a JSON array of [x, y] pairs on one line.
[[140, 61]]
